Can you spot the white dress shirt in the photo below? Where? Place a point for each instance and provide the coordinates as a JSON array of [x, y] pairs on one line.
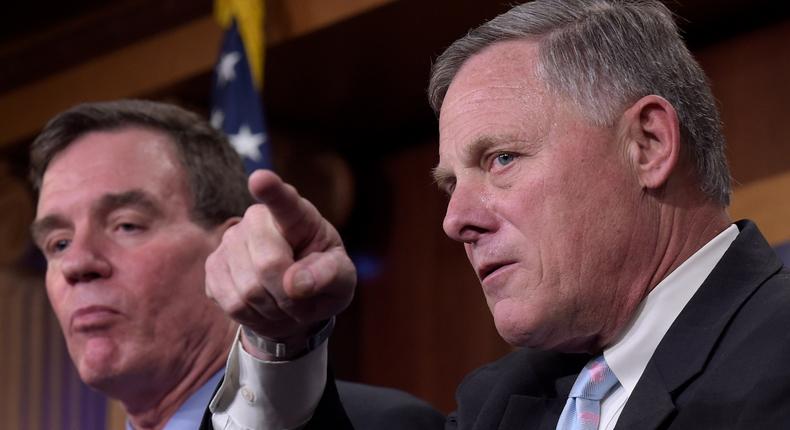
[[628, 356], [268, 395]]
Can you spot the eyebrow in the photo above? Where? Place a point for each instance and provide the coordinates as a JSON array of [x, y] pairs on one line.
[[107, 203], [133, 198], [443, 176], [41, 227]]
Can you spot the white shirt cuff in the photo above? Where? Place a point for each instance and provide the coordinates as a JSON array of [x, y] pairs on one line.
[[268, 395]]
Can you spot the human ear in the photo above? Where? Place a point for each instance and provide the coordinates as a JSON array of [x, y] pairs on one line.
[[653, 140]]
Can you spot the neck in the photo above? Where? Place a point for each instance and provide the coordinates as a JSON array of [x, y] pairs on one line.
[[682, 234], [680, 228], [152, 409]]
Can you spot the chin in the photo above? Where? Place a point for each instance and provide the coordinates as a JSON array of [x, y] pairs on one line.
[[97, 379], [97, 363], [108, 378], [518, 337], [523, 326], [95, 374], [513, 327]]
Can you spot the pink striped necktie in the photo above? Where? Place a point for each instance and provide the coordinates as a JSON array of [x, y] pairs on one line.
[[583, 408]]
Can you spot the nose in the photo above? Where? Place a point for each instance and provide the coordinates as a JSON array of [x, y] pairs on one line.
[[468, 218], [84, 261]]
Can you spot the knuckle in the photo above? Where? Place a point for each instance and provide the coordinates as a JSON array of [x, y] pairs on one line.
[[255, 212], [236, 312], [211, 262], [267, 264], [290, 189], [231, 232], [250, 289]]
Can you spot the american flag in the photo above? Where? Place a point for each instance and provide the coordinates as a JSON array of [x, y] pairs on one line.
[[236, 105]]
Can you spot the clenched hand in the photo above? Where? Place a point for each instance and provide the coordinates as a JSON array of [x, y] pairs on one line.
[[282, 269]]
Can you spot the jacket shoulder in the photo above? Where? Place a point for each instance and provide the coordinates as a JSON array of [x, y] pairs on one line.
[[379, 408]]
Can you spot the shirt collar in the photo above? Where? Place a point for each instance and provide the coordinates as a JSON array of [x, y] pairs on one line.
[[628, 356]]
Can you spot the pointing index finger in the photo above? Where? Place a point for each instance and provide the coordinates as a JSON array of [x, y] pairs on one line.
[[298, 220]]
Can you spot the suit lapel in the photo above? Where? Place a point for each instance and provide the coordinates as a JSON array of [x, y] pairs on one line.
[[537, 412], [686, 348], [650, 403], [524, 390]]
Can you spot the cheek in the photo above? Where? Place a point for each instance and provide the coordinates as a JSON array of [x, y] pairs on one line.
[[171, 274], [57, 294], [578, 204], [469, 253]]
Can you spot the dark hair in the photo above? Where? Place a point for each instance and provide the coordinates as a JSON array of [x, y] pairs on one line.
[[604, 55], [214, 171]]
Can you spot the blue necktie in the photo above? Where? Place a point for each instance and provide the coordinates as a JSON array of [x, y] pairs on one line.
[[583, 409]]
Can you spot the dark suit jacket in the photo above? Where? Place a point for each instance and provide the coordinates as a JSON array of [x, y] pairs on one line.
[[378, 408], [723, 364], [346, 405], [365, 407]]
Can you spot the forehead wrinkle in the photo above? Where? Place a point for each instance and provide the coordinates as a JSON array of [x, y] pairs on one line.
[[521, 133], [481, 93]]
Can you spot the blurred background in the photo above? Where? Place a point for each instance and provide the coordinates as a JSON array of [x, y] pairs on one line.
[[348, 124]]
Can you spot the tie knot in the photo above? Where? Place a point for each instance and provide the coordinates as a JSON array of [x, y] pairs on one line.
[[595, 380]]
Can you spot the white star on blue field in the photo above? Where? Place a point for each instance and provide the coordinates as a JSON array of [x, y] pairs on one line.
[[236, 104]]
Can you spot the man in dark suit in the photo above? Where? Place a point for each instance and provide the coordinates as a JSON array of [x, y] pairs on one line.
[[583, 157], [133, 196]]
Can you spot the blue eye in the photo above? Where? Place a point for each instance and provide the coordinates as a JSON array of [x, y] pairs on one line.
[[505, 158]]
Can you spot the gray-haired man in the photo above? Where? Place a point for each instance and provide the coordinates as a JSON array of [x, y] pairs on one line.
[[582, 153]]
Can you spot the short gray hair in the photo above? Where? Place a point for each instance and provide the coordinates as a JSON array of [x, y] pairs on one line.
[[604, 55]]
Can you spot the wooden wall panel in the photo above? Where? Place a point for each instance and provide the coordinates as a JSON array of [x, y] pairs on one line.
[[156, 62], [424, 324], [766, 202], [40, 389], [751, 80]]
